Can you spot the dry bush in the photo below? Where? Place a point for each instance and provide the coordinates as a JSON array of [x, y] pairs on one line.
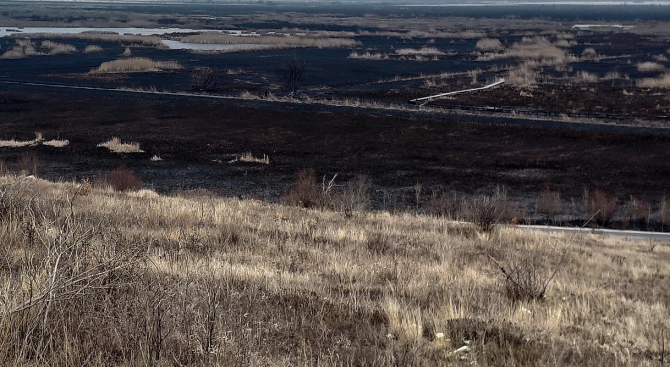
[[56, 48], [649, 66], [602, 205], [537, 48], [589, 54], [639, 211], [127, 52], [442, 205], [548, 203], [355, 196], [664, 213], [489, 44], [368, 56], [136, 64], [123, 179], [484, 212], [662, 81], [93, 48], [660, 58], [612, 75], [305, 192], [115, 145], [423, 51], [206, 79]]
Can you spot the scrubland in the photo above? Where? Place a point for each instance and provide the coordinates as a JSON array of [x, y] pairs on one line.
[[92, 276]]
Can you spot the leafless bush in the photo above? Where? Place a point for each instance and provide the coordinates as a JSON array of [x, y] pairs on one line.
[[649, 66], [123, 179], [484, 212], [523, 76], [206, 79], [127, 52], [549, 203], [589, 54], [602, 205], [293, 71], [489, 44], [136, 64], [248, 157], [305, 192], [664, 213], [355, 196], [448, 206], [639, 211]]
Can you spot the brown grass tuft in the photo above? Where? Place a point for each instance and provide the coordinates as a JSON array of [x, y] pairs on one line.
[[116, 146], [136, 64]]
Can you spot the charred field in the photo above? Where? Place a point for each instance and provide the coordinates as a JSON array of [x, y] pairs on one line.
[[583, 107]]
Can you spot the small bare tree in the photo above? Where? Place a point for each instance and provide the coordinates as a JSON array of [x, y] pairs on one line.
[[292, 72], [206, 79], [549, 203]]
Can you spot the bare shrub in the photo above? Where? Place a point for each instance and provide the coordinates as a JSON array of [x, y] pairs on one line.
[[489, 44], [206, 79], [664, 213], [123, 179], [18, 143], [649, 66], [136, 64], [93, 48], [448, 206], [484, 212], [548, 203], [355, 197], [602, 205], [640, 211], [127, 52], [56, 48], [305, 192], [115, 145], [292, 72]]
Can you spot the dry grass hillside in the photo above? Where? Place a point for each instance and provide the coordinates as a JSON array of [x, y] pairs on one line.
[[94, 277]]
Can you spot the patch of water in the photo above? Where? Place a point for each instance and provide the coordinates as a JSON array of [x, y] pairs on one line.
[[8, 31]]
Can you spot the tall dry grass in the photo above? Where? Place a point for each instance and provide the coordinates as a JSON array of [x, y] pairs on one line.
[[21, 49], [102, 37], [136, 64], [272, 41], [649, 66], [115, 145], [94, 277], [489, 44], [56, 48]]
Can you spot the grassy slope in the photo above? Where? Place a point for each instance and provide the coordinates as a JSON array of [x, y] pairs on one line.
[[127, 278]]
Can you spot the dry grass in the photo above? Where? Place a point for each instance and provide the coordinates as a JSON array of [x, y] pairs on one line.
[[277, 42], [56, 143], [650, 66], [662, 81], [56, 48], [102, 37], [136, 64], [106, 278], [22, 48], [93, 48], [24, 143], [586, 77], [116, 146], [248, 157], [489, 44], [423, 51], [368, 56], [536, 48]]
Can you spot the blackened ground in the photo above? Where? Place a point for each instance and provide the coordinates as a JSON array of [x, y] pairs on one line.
[[197, 139]]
